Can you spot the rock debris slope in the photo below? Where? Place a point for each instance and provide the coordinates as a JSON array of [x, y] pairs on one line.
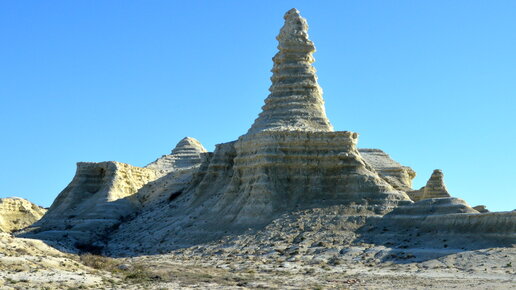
[[18, 213]]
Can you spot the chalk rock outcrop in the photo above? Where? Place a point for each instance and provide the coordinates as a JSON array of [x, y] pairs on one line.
[[188, 153], [452, 215], [434, 188], [176, 169], [295, 101], [96, 200], [391, 171], [481, 208], [290, 159], [18, 213], [433, 206]]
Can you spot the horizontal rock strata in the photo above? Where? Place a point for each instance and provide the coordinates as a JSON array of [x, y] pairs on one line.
[[295, 101], [176, 171], [434, 188], [96, 200], [187, 154], [397, 175], [250, 182], [17, 213], [277, 171]]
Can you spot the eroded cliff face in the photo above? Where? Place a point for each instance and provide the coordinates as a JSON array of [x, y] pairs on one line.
[[397, 175], [187, 154], [176, 171], [290, 159], [103, 195], [295, 101], [98, 198], [18, 213], [434, 188], [290, 165]]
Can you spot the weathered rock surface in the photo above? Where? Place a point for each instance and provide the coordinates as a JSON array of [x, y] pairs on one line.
[[481, 208], [295, 101], [188, 153], [397, 175], [176, 170], [434, 188], [291, 204], [453, 218], [18, 213], [98, 198], [288, 160]]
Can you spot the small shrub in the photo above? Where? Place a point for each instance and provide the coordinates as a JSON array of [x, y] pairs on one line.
[[99, 262]]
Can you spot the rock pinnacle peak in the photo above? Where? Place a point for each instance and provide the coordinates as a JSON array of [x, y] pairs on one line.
[[188, 144], [295, 102]]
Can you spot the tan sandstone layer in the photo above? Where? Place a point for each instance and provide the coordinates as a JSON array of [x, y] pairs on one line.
[[295, 101], [18, 213], [96, 200], [434, 188]]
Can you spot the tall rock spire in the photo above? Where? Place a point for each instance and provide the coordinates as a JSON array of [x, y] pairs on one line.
[[295, 102]]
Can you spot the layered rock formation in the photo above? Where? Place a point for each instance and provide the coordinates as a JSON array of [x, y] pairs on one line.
[[290, 159], [177, 170], [434, 188], [102, 195], [295, 101], [481, 208], [289, 163], [18, 213], [188, 153], [96, 200], [448, 216], [391, 171]]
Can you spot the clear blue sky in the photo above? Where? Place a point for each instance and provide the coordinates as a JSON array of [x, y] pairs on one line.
[[433, 83]]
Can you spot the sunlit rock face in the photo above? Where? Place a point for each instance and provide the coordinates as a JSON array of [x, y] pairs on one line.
[[290, 159], [176, 171], [96, 200], [434, 188], [102, 195], [295, 101], [17, 213], [397, 175], [290, 164], [188, 153]]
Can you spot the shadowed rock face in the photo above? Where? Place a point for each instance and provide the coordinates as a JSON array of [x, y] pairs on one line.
[[434, 188], [397, 175], [17, 213], [295, 101]]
